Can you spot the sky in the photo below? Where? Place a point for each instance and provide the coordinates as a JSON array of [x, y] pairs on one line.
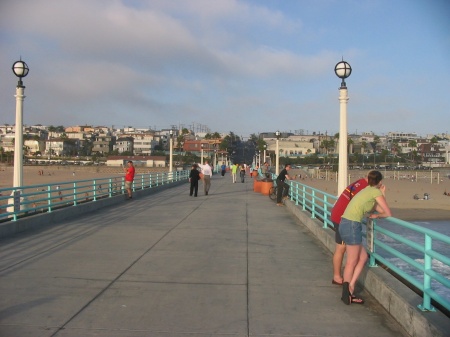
[[245, 66]]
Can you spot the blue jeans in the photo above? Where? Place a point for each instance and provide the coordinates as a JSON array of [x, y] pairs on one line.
[[350, 231]]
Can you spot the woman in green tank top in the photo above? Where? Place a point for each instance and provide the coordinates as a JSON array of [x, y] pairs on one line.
[[369, 200]]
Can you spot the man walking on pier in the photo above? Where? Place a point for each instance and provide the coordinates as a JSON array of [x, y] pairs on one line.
[[207, 174]]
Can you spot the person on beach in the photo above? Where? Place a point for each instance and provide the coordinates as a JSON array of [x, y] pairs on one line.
[[282, 186], [207, 174], [194, 177], [129, 177], [369, 200], [336, 214]]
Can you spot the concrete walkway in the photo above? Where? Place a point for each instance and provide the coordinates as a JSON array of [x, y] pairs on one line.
[[228, 264]]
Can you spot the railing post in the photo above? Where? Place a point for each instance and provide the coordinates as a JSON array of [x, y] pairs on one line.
[[313, 204], [296, 193], [325, 211], [94, 192], [427, 265], [75, 195], [370, 238], [49, 198], [110, 187], [304, 197]]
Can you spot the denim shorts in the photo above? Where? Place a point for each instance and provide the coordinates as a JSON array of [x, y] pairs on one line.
[[350, 231]]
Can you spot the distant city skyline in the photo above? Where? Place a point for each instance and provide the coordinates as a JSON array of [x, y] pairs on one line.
[[181, 125], [246, 66]]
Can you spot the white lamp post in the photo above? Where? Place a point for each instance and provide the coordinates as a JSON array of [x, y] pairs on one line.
[[265, 148], [201, 160], [20, 69], [171, 151], [277, 158], [215, 159], [342, 70]]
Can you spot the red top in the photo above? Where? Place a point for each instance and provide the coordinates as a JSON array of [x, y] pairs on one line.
[[344, 199], [129, 176]]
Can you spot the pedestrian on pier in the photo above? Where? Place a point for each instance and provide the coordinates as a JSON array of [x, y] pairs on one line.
[[370, 200], [194, 177], [129, 177], [336, 214], [207, 174]]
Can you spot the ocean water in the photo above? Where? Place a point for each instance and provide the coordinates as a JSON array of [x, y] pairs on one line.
[[442, 227]]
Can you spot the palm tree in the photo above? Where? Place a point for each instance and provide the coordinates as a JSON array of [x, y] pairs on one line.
[[364, 146]]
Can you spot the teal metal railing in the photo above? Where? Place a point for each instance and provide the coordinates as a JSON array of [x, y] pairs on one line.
[[428, 271], [28, 200]]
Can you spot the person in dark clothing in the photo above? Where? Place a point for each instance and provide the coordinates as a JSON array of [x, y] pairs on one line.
[[282, 186], [223, 169], [242, 173], [194, 177]]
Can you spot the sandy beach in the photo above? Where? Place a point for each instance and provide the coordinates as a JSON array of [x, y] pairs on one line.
[[399, 193]]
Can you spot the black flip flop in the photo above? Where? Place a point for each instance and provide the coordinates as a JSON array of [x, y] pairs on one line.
[[346, 296]]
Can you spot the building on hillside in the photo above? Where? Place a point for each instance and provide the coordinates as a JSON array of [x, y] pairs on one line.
[[103, 144], [124, 144], [79, 128], [7, 141], [432, 154], [144, 143], [61, 147], [33, 146]]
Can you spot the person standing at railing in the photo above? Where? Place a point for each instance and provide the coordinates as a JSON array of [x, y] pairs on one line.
[[336, 214], [129, 177], [207, 174], [370, 199], [282, 186]]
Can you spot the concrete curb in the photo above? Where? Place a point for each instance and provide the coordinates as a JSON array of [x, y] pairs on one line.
[[39, 220], [398, 300]]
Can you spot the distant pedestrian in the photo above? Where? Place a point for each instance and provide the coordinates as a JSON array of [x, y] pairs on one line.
[[242, 173], [194, 177], [223, 169], [58, 188], [265, 170], [207, 174], [234, 169], [129, 177]]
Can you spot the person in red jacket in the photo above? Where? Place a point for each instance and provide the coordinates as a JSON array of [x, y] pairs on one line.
[[336, 214], [129, 177]]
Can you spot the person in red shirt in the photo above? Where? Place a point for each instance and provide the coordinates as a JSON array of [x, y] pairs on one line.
[[129, 177], [336, 214]]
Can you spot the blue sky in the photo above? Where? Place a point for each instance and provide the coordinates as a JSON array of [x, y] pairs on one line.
[[232, 65]]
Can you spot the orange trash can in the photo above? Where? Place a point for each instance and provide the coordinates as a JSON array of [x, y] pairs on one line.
[[265, 187], [257, 185]]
